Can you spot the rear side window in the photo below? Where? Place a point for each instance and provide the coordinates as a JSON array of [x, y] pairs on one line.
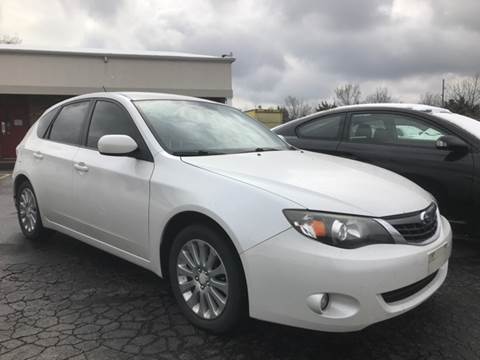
[[324, 128], [68, 126], [44, 122], [110, 119]]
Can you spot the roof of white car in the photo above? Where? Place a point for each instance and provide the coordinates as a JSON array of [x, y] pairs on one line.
[[417, 107], [131, 95], [134, 96]]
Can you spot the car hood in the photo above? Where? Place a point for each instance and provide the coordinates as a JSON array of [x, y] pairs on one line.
[[321, 182]]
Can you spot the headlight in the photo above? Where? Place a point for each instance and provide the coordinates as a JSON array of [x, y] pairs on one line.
[[342, 231]]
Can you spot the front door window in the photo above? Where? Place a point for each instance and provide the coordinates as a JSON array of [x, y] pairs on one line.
[[387, 128]]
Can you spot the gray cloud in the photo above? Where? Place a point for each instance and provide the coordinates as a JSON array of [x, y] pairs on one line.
[[103, 9], [302, 48], [339, 14], [462, 13], [388, 55]]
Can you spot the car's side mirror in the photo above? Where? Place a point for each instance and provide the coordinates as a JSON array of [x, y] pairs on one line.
[[452, 143], [116, 145]]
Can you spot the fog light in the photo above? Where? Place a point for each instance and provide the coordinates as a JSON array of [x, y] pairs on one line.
[[318, 302]]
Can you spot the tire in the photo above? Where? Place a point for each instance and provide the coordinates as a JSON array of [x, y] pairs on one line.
[[28, 213], [189, 284]]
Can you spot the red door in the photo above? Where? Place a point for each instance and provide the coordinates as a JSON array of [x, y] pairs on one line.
[[14, 123]]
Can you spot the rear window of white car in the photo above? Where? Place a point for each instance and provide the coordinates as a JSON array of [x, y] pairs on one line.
[[44, 122]]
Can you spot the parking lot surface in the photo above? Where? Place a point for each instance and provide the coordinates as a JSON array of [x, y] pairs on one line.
[[62, 299]]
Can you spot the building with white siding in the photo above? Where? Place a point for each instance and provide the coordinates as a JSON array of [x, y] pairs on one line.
[[33, 79]]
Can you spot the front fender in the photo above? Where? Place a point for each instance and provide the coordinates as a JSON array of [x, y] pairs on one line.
[[247, 214]]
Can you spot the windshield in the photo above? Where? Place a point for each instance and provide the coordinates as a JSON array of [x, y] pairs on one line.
[[189, 128], [465, 122]]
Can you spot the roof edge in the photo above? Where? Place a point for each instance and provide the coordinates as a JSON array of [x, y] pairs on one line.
[[164, 55]]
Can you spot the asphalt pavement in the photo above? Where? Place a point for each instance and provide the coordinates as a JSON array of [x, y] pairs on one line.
[[62, 299]]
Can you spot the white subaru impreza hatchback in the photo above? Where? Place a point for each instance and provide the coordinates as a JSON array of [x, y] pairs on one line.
[[237, 220]]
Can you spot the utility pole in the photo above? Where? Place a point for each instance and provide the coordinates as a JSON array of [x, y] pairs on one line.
[[443, 92]]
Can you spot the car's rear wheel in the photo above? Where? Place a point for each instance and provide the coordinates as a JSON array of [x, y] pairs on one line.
[[207, 278], [28, 213]]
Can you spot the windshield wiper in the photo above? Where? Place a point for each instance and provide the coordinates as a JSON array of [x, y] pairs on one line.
[[196, 153], [260, 149]]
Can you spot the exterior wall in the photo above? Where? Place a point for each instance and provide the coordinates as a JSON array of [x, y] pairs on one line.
[[29, 77], [43, 73], [268, 117], [37, 104], [17, 114]]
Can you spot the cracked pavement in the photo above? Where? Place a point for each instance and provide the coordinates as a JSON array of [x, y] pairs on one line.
[[62, 299]]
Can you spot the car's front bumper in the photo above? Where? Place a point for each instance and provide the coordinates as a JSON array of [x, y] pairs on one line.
[[282, 272]]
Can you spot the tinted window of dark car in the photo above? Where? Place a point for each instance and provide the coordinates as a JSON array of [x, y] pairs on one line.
[[371, 128], [68, 125], [381, 128], [44, 122], [324, 128], [414, 131], [110, 119]]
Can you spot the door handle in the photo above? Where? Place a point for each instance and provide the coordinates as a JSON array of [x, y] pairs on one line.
[[81, 167], [38, 155]]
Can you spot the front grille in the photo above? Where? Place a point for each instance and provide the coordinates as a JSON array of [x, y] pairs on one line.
[[409, 290], [416, 227]]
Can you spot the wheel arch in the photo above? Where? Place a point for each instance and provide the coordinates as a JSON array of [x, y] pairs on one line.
[[178, 222], [19, 178]]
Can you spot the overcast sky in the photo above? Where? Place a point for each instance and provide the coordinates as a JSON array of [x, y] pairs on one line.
[[303, 48]]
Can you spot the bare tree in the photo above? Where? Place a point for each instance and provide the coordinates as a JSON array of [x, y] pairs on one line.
[[461, 106], [325, 105], [431, 99], [296, 107], [348, 94], [467, 88], [381, 95], [11, 40]]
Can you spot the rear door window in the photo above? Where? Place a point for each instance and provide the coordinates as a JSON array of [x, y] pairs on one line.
[[69, 124]]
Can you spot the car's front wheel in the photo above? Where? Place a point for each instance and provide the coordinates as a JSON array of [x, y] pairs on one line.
[[207, 278], [28, 213]]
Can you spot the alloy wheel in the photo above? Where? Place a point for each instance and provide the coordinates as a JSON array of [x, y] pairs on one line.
[[202, 279], [27, 208]]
